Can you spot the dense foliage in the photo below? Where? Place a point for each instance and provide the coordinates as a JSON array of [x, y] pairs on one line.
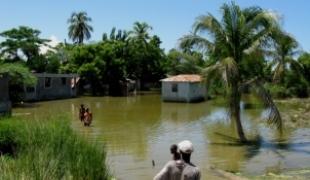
[[134, 55]]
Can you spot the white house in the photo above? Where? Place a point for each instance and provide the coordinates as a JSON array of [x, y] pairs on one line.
[[183, 88]]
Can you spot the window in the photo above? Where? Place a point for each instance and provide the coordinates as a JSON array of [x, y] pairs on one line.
[[63, 81], [174, 88], [30, 89], [48, 82]]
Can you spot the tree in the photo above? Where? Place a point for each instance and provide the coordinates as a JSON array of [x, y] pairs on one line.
[[184, 63], [304, 60], [21, 43], [121, 35], [140, 32], [240, 32], [285, 48], [79, 29], [20, 76]]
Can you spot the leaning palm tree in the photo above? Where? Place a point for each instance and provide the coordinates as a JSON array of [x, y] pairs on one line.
[[240, 32], [79, 29], [285, 48]]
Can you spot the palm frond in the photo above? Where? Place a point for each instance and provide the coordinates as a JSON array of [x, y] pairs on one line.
[[273, 114], [188, 41], [278, 72], [208, 23], [231, 69]]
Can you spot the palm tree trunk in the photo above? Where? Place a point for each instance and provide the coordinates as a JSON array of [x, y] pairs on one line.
[[235, 98]]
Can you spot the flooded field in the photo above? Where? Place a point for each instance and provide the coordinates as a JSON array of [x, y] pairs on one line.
[[139, 129]]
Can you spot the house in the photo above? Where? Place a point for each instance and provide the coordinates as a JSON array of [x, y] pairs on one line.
[[52, 86], [183, 88], [5, 103]]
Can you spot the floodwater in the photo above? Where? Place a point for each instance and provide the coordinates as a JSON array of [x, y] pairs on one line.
[[139, 129]]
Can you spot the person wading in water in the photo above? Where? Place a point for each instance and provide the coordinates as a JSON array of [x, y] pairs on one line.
[[180, 168], [88, 117], [82, 112]]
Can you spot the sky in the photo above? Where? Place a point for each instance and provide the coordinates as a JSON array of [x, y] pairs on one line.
[[170, 19]]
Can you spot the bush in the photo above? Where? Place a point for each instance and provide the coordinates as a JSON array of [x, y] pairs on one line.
[[278, 91], [48, 150]]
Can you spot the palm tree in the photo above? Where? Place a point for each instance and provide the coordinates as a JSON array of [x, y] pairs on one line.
[[79, 29], [121, 35], [285, 47], [140, 32], [240, 32]]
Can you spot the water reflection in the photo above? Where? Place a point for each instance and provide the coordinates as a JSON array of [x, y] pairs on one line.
[[137, 130]]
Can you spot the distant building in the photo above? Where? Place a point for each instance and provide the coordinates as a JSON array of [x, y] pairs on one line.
[[52, 86], [5, 103], [183, 88]]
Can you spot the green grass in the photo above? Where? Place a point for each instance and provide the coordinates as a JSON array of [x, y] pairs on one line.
[[48, 149]]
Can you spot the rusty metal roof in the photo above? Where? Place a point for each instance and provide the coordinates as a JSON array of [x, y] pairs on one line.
[[184, 78]]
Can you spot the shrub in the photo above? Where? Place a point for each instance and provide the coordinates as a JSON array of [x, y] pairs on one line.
[[278, 91], [49, 150]]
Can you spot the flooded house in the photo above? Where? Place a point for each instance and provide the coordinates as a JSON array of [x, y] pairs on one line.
[[52, 86], [183, 88], [5, 103]]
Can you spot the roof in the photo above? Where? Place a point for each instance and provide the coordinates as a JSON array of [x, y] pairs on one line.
[[55, 75], [184, 78]]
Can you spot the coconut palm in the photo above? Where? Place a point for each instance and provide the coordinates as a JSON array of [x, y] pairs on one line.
[[285, 48], [140, 32], [79, 29], [240, 32]]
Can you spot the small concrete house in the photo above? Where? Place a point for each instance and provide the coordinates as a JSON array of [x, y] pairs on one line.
[[52, 86], [183, 88], [5, 103]]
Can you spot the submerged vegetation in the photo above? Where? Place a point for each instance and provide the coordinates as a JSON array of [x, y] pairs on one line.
[[48, 149]]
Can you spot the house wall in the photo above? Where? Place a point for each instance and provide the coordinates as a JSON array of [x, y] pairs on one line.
[[197, 92], [5, 103], [56, 90], [186, 92]]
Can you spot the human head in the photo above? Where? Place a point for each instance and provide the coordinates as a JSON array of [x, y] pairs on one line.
[[186, 148], [86, 109], [82, 105], [173, 149]]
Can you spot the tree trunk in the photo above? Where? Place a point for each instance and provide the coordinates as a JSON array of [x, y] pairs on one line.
[[235, 98]]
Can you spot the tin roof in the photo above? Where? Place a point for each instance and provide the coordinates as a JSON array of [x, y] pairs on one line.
[[184, 78]]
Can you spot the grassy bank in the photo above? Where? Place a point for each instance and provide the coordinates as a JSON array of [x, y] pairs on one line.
[[295, 112], [48, 150]]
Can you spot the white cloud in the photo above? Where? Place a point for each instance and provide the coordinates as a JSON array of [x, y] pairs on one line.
[[54, 41]]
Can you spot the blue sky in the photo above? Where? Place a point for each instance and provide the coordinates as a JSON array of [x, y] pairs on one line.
[[170, 19]]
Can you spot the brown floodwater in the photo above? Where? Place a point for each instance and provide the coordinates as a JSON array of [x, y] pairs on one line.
[[139, 129]]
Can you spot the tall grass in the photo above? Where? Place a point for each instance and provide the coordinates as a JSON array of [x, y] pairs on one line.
[[48, 150]]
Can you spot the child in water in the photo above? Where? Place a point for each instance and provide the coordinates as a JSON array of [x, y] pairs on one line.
[[88, 117], [175, 153], [82, 112]]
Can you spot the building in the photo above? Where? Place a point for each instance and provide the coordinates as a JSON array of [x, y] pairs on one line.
[[183, 88], [52, 86], [5, 103]]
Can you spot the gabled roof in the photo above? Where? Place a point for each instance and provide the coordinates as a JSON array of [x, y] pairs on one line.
[[184, 78]]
